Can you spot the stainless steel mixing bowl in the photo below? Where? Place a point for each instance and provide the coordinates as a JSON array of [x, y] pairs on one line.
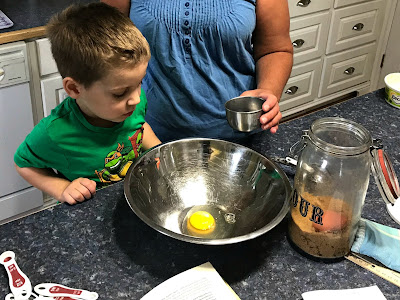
[[243, 113], [246, 193]]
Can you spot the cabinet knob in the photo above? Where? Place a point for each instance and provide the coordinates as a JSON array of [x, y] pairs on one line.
[[298, 43], [349, 71], [358, 27], [292, 90], [2, 72], [303, 3]]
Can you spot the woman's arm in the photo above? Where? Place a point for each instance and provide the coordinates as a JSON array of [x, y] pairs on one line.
[[59, 188], [273, 53], [273, 50], [122, 5]]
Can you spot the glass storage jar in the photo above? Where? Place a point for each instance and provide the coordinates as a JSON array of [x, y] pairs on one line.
[[330, 186]]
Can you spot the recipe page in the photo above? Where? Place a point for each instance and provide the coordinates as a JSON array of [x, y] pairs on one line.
[[202, 282]]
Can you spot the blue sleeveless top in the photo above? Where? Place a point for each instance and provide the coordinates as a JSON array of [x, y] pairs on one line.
[[202, 56]]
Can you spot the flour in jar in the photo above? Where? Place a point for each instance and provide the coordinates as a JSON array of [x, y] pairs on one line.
[[332, 236]]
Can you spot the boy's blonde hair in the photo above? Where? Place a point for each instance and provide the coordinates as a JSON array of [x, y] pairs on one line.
[[89, 40]]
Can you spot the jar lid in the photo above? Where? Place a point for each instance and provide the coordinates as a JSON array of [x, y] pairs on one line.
[[386, 180], [385, 176]]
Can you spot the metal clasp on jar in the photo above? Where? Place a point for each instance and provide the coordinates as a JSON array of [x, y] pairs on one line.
[[297, 147], [376, 144]]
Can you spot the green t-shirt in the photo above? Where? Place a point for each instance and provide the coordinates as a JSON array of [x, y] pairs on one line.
[[67, 142]]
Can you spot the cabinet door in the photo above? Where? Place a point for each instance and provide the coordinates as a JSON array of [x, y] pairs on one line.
[[304, 7], [47, 64], [52, 93], [302, 86], [340, 3], [308, 35], [347, 69], [355, 25]]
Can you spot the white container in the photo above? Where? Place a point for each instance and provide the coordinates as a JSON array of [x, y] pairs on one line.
[[392, 89]]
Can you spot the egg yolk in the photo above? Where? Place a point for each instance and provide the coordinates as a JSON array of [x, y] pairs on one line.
[[201, 222]]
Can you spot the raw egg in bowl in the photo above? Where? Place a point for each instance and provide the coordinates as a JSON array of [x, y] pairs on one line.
[[207, 191]]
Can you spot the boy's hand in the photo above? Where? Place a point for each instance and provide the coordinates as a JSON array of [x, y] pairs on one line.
[[78, 190]]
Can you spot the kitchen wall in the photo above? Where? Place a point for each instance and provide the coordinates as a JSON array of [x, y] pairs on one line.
[[391, 62]]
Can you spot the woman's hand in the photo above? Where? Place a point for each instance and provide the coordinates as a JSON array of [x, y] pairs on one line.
[[78, 190], [270, 119]]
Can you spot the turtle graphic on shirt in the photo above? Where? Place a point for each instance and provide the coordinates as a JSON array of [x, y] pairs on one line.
[[118, 161]]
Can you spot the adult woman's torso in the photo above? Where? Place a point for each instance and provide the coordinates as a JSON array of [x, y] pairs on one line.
[[201, 57]]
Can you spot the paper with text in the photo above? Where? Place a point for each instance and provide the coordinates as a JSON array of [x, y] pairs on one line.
[[366, 293], [200, 283]]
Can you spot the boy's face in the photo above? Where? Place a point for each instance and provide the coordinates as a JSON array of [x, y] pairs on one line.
[[113, 98]]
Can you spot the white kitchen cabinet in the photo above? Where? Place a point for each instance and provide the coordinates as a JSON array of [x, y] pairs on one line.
[[347, 69], [303, 7], [341, 3], [309, 35], [355, 25], [302, 86], [53, 93], [47, 64], [343, 41]]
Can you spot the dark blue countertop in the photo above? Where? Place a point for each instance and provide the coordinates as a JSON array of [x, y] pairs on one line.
[[101, 245], [27, 14]]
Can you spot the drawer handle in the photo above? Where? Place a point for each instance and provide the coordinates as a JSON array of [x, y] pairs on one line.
[[303, 3], [298, 43], [292, 90], [2, 72], [349, 71], [358, 27]]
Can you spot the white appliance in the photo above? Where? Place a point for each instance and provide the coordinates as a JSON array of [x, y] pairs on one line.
[[16, 121]]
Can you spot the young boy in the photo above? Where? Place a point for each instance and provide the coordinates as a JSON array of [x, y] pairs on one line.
[[94, 135]]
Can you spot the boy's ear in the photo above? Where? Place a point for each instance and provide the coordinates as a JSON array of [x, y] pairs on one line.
[[73, 88]]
